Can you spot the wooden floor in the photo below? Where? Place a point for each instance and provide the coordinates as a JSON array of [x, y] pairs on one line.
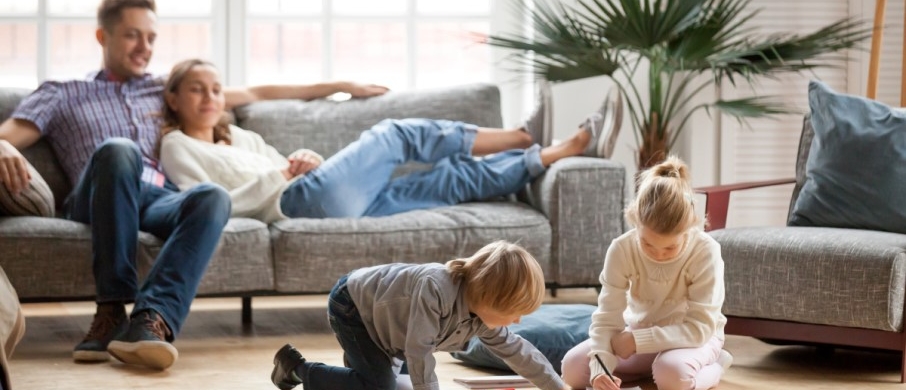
[[217, 353]]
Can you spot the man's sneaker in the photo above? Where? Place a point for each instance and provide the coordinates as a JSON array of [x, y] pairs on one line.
[[540, 123], [725, 359], [285, 362], [604, 126], [145, 343], [109, 320]]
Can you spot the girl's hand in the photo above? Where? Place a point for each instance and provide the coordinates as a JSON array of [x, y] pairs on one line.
[[623, 344], [603, 382]]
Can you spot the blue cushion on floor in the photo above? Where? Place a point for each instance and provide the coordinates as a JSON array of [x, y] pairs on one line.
[[553, 329], [856, 169]]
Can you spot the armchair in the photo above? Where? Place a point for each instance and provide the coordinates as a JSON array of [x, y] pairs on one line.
[[810, 285]]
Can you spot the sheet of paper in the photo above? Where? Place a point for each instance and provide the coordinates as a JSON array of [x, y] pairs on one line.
[[494, 382]]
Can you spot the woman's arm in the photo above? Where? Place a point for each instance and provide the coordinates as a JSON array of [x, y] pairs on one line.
[[186, 164]]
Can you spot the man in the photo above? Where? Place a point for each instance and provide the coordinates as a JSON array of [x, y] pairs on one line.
[[103, 131]]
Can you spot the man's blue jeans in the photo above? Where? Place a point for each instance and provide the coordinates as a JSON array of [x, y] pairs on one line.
[[369, 367], [112, 198], [356, 181]]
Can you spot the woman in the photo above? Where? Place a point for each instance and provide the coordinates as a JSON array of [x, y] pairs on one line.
[[197, 145]]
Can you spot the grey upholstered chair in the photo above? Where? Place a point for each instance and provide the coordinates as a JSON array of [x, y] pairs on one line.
[[810, 285]]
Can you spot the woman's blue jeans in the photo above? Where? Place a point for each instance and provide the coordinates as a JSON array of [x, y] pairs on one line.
[[111, 197], [357, 182], [369, 367]]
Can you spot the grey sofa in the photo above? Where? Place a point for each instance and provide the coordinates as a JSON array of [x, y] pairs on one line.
[[810, 285], [566, 218]]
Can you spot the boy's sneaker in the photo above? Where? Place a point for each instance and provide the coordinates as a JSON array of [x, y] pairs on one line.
[[725, 359], [604, 126], [540, 123], [145, 343], [285, 362], [109, 320]]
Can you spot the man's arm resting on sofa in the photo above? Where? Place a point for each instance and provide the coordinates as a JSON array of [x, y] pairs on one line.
[[239, 96], [15, 135], [717, 199]]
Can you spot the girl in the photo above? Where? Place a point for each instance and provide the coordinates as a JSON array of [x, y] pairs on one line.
[[393, 313], [662, 290], [198, 146]]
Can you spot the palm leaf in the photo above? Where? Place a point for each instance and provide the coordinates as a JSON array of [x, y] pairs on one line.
[[679, 41]]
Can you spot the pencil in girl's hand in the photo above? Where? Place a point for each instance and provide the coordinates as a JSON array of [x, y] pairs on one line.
[[606, 371]]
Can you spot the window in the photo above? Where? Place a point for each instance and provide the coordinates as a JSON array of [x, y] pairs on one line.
[[399, 43]]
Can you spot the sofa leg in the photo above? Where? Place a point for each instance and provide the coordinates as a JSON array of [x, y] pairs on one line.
[[553, 292], [903, 366], [246, 310]]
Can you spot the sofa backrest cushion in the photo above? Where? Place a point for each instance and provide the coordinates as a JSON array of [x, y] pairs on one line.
[[326, 126], [855, 174]]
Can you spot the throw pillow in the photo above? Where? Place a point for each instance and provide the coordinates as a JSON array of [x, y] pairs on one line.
[[35, 200], [553, 329], [856, 169]]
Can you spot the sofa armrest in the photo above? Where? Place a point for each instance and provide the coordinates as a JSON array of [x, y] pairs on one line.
[[583, 198], [717, 199]]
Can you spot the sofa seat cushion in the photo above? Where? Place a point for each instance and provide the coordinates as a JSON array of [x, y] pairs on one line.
[[242, 261], [311, 254], [829, 276], [47, 257]]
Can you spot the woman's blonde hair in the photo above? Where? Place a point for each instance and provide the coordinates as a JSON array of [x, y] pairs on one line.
[[664, 201], [169, 117], [502, 277]]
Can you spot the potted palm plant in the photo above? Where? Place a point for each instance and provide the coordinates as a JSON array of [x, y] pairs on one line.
[[687, 45]]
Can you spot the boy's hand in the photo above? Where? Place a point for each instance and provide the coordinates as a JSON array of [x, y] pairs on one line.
[[623, 344], [603, 382]]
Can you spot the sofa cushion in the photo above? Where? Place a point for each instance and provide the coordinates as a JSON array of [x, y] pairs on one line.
[[830, 276], [35, 199], [311, 254], [856, 169], [553, 329], [242, 261], [47, 257]]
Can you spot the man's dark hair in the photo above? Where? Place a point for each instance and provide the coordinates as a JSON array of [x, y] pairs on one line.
[[110, 12]]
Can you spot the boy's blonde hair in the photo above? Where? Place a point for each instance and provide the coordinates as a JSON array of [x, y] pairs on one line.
[[502, 277], [664, 201]]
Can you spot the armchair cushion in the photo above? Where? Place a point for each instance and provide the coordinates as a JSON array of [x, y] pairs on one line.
[[856, 170], [829, 276]]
